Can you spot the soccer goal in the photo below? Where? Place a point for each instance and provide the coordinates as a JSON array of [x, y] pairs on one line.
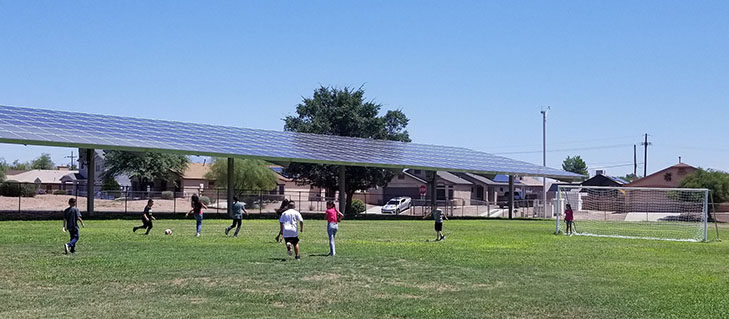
[[679, 214]]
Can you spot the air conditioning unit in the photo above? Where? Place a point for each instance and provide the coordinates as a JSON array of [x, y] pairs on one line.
[[600, 172]]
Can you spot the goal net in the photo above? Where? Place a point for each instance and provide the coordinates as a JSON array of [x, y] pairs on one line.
[[635, 212]]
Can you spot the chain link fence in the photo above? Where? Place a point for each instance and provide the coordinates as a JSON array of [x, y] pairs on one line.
[[29, 197]]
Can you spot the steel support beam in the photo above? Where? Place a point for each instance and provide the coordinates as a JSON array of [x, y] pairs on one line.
[[91, 180], [511, 196], [231, 185], [342, 189]]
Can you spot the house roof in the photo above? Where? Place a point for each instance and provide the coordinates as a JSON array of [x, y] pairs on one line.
[[196, 171], [415, 177], [474, 178], [603, 180], [45, 176], [532, 181], [451, 178]]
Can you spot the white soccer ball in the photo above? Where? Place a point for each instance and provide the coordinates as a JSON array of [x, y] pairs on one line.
[[168, 231]]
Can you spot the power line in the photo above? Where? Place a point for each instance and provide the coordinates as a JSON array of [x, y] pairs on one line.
[[568, 149], [561, 143]]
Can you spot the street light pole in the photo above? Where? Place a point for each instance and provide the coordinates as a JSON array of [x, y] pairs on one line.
[[544, 158]]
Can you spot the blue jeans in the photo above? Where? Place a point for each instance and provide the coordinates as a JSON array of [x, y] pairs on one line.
[[74, 239], [198, 219], [332, 232]]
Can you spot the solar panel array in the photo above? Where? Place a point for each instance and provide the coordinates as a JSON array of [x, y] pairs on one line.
[[22, 125]]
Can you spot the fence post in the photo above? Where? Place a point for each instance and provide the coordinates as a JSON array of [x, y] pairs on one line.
[[260, 202], [217, 200], [20, 195], [126, 197], [174, 202]]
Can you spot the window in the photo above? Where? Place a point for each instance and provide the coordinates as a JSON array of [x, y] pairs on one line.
[[416, 172]]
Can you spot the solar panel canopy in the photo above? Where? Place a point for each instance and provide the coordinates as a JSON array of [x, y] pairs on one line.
[[31, 126]]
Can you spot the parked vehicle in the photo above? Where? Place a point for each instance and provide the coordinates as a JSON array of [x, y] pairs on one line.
[[519, 200], [397, 205]]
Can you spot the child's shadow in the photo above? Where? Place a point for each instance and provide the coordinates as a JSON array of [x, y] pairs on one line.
[[319, 255]]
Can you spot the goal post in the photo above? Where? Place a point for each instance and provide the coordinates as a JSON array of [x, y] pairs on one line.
[[680, 214]]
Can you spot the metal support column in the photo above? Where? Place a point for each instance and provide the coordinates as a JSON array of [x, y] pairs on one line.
[[433, 190], [342, 189], [706, 215], [511, 196], [231, 184], [90, 181]]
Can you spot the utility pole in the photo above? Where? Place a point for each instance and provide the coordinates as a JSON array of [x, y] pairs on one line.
[[544, 158], [71, 157], [645, 159], [635, 161]]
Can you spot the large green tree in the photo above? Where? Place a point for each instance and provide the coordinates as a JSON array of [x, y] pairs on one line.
[[716, 181], [19, 166], [250, 174], [145, 167], [575, 165], [344, 112], [43, 162]]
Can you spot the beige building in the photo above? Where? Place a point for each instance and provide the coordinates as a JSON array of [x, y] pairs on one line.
[[670, 177], [47, 180]]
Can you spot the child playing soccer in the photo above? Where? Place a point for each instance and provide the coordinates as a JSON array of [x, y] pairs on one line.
[[438, 216], [237, 211], [197, 210], [289, 229], [147, 218], [569, 219], [71, 217], [333, 218]]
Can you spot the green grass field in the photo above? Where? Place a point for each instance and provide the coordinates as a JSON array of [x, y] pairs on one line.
[[384, 269]]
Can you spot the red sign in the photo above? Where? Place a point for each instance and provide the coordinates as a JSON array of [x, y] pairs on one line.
[[422, 189]]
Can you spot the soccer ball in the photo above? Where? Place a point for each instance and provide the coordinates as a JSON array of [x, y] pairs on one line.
[[168, 231]]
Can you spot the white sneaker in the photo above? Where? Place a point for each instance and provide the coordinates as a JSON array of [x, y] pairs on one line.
[[288, 247], [65, 248], [197, 235]]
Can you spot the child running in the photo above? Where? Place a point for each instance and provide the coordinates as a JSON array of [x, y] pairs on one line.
[[147, 218], [333, 217], [237, 211], [71, 217], [438, 216], [197, 209], [569, 219], [279, 211], [289, 230]]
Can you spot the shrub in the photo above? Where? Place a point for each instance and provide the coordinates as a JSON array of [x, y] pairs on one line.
[[60, 192], [15, 189], [168, 195], [205, 200], [358, 206]]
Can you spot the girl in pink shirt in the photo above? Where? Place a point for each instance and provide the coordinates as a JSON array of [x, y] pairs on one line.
[[333, 217], [569, 218]]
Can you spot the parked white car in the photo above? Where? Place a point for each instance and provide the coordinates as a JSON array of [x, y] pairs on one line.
[[397, 205]]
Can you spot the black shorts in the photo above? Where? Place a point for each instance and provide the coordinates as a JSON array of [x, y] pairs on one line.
[[292, 240], [438, 226]]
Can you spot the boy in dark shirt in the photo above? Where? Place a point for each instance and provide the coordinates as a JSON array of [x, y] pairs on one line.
[[71, 217], [147, 218]]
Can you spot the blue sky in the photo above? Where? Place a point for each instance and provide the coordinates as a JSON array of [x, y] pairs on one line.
[[472, 74]]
